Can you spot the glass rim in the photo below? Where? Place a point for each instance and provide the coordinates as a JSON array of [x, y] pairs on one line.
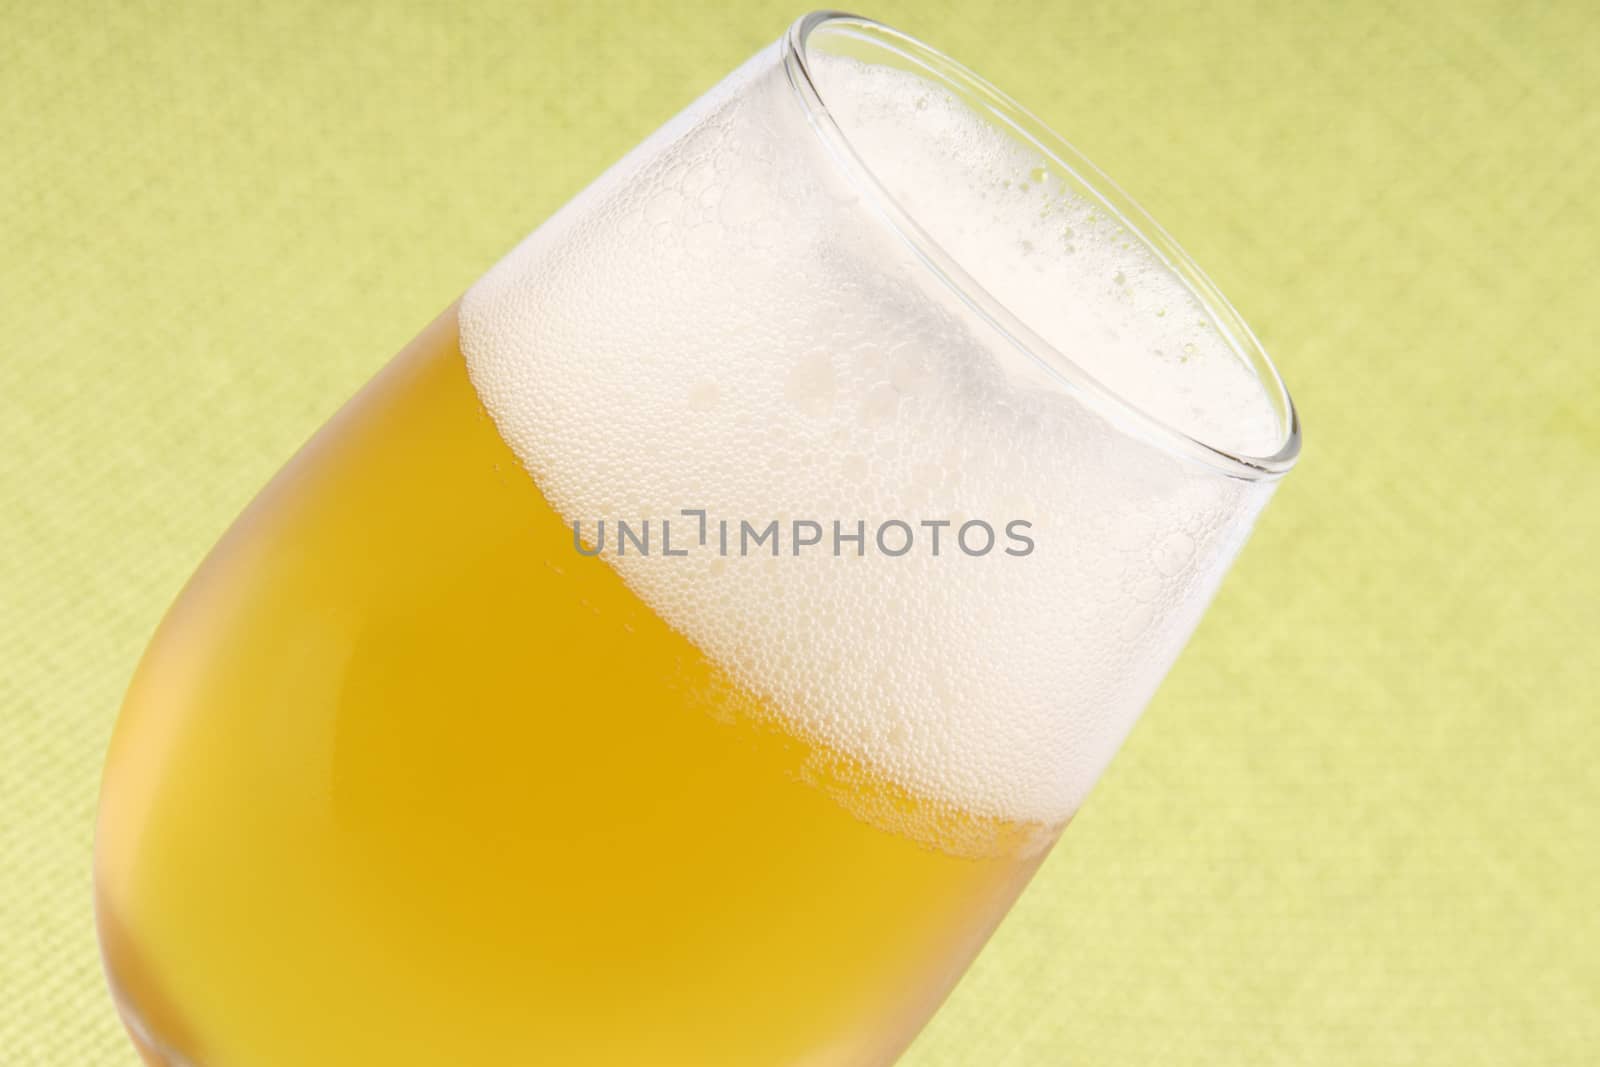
[[993, 105]]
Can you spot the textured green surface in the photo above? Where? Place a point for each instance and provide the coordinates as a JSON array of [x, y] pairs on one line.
[[1355, 827]]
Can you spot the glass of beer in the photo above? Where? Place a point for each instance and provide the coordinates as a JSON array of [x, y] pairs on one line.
[[686, 649]]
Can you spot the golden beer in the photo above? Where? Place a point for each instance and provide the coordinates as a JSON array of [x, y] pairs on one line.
[[501, 798], [411, 774]]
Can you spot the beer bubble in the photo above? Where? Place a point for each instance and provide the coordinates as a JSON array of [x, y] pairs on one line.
[[666, 206], [703, 397], [880, 403], [1173, 553]]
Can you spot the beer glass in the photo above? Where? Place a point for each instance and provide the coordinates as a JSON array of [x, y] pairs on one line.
[[686, 649]]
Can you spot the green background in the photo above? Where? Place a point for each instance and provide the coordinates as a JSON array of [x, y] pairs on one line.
[[1357, 824]]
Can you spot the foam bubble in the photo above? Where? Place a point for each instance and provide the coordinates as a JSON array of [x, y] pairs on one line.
[[1063, 264], [719, 322]]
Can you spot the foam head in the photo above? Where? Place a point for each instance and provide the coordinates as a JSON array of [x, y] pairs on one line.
[[726, 320]]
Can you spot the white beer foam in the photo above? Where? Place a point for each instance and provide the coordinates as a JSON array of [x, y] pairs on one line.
[[1063, 265], [719, 322]]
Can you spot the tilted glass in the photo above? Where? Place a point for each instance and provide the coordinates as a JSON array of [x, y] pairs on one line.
[[686, 649]]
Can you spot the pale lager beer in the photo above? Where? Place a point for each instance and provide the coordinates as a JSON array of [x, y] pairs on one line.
[[421, 769]]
